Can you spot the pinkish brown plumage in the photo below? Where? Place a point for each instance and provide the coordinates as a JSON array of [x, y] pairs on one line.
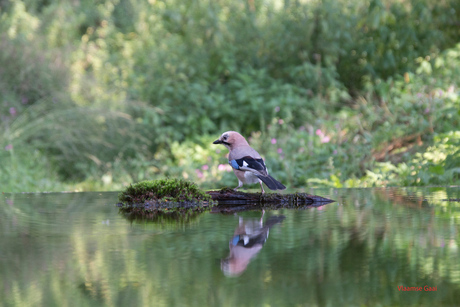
[[247, 164]]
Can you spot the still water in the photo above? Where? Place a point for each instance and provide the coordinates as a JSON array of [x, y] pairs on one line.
[[75, 249]]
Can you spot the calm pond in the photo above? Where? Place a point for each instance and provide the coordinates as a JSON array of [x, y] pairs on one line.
[[75, 249]]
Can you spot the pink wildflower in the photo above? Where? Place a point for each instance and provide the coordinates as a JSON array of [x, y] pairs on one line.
[[9, 147], [205, 167], [273, 141], [199, 173], [12, 111], [280, 151]]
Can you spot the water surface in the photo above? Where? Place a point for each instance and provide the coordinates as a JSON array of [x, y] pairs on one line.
[[75, 249]]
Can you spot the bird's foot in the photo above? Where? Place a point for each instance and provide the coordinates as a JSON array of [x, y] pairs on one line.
[[261, 186]]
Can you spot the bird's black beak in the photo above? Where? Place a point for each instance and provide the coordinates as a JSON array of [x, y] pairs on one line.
[[217, 142]]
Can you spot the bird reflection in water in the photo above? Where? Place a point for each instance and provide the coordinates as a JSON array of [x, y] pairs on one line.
[[247, 241]]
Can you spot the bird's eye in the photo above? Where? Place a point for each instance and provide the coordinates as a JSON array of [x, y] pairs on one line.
[[225, 137]]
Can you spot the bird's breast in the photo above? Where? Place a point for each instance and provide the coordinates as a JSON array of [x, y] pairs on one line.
[[246, 177]]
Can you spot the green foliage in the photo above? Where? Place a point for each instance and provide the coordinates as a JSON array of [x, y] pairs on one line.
[[438, 165], [162, 189], [118, 91], [28, 171]]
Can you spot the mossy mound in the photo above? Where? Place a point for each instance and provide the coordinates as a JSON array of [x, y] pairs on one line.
[[176, 190], [164, 195], [178, 197]]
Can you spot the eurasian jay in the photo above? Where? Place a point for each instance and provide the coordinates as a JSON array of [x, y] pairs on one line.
[[247, 164]]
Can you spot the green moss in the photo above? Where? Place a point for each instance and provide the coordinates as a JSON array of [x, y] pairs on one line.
[[229, 190], [173, 190], [164, 196]]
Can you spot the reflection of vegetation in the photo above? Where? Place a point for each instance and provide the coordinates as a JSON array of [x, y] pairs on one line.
[[168, 220], [73, 249], [149, 210], [104, 93]]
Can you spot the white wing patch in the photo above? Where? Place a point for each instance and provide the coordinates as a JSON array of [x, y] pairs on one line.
[[245, 164]]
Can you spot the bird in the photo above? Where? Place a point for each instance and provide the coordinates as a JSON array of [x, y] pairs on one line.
[[247, 164]]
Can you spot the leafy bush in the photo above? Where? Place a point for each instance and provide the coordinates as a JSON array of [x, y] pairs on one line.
[[331, 92]]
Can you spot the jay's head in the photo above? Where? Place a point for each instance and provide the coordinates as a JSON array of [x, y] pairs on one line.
[[231, 139]]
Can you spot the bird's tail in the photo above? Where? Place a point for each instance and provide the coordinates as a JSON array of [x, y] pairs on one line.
[[274, 220], [271, 182]]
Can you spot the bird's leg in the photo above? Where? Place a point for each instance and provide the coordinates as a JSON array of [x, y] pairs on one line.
[[260, 181], [262, 218], [240, 184]]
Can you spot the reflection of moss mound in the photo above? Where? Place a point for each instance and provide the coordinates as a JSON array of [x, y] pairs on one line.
[[163, 195], [162, 220]]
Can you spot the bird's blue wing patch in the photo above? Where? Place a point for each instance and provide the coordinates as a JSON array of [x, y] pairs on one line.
[[235, 240], [234, 164]]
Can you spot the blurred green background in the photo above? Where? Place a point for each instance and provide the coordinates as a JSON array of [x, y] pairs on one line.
[[95, 95]]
